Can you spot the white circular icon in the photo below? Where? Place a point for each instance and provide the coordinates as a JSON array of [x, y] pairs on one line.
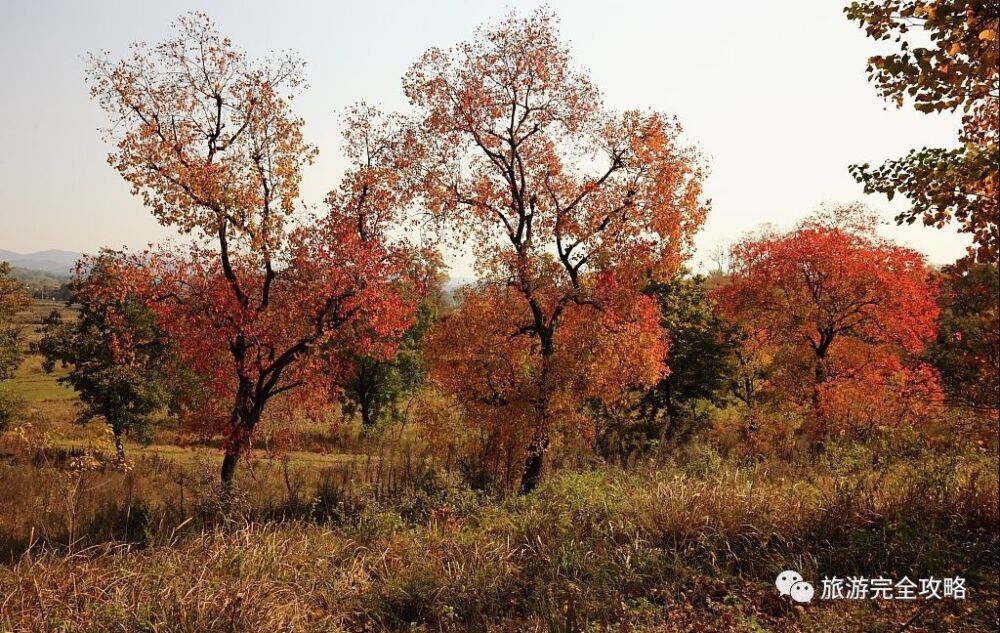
[[802, 591], [785, 580]]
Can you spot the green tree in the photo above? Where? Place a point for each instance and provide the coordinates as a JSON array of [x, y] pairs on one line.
[[696, 372], [115, 351], [967, 349], [376, 386], [698, 353], [13, 299], [957, 69]]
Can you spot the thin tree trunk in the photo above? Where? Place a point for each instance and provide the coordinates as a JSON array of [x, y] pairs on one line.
[[245, 415], [533, 462], [818, 430], [672, 414], [539, 440], [119, 446], [819, 379], [367, 421]]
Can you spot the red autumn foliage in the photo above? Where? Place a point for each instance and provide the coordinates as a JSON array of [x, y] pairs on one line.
[[262, 304], [843, 312], [883, 394]]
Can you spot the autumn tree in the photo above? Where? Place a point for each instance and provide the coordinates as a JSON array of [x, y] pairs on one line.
[[115, 352], [947, 60], [830, 299], [570, 208], [750, 364], [693, 372], [477, 355], [264, 301]]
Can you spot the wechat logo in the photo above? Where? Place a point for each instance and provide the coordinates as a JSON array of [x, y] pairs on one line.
[[790, 583]]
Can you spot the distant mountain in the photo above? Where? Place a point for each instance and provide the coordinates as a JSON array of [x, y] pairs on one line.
[[51, 261]]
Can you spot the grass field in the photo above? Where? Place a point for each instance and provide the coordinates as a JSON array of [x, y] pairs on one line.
[[37, 386], [654, 550]]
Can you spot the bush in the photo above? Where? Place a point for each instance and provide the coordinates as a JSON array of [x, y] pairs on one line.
[[12, 409]]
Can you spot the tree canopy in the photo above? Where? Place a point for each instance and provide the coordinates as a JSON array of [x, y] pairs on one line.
[[956, 69], [570, 207]]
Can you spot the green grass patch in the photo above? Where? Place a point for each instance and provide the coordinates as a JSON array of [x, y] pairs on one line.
[[33, 384]]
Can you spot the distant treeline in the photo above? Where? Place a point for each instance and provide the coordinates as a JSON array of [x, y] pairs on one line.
[[42, 284]]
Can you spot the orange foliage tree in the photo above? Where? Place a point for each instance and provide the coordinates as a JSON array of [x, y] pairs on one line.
[[947, 58], [570, 208], [262, 303], [838, 306], [478, 356]]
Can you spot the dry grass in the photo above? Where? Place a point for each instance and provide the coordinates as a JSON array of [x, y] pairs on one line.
[[666, 549]]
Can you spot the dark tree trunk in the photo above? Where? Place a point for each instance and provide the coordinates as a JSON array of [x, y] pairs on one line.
[[245, 416], [817, 431], [533, 462], [668, 397], [672, 414], [819, 379], [228, 471], [367, 420], [368, 379], [539, 440], [752, 424]]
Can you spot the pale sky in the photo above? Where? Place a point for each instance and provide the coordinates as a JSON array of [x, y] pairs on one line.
[[773, 92]]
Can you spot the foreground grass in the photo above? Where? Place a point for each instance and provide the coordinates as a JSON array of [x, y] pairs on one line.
[[679, 547]]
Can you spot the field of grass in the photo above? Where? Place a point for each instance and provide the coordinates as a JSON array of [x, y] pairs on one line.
[[36, 386], [671, 548]]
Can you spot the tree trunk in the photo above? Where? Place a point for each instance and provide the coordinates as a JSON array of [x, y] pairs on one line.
[[752, 424], [367, 421], [228, 471], [119, 446], [533, 462], [539, 440], [670, 428], [818, 380], [245, 416], [818, 426]]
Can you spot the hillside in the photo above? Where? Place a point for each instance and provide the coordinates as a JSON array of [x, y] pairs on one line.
[[52, 261]]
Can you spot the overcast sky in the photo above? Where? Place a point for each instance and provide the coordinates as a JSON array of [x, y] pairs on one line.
[[774, 93]]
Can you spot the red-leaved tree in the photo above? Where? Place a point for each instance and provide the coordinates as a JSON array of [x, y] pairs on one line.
[[263, 303], [836, 302]]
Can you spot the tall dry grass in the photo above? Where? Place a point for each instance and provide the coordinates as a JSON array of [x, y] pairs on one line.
[[688, 544]]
